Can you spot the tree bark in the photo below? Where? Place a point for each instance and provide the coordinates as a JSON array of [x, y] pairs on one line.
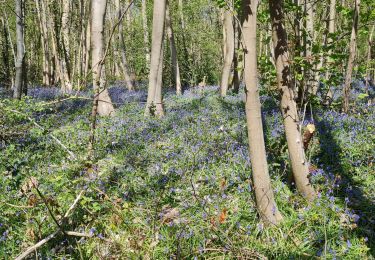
[[331, 31], [66, 46], [44, 43], [101, 98], [175, 65], [266, 204], [154, 104], [309, 40], [6, 42], [236, 68], [228, 52], [122, 51], [145, 32], [19, 63], [288, 103], [352, 54], [368, 62]]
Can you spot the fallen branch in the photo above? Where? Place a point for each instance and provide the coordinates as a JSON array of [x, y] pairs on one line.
[[51, 236], [17, 206]]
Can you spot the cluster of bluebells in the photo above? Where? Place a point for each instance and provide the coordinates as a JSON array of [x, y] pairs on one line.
[[203, 151]]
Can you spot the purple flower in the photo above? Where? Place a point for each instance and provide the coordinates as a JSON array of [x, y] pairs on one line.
[[92, 231]]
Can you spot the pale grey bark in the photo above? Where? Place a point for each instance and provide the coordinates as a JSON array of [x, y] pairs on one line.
[[44, 43], [266, 204], [154, 99], [58, 73], [288, 104], [352, 55], [65, 61], [309, 40], [121, 50], [145, 32], [175, 66], [87, 49], [368, 62], [19, 63], [8, 45], [104, 104], [331, 31], [228, 52]]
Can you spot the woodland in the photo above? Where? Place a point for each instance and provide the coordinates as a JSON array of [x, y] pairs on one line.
[[187, 129]]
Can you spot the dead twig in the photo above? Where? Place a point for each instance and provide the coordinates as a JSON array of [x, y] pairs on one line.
[[33, 248], [71, 154]]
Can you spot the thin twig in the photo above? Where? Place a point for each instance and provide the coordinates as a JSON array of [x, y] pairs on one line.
[[51, 236], [18, 206], [48, 208], [71, 154]]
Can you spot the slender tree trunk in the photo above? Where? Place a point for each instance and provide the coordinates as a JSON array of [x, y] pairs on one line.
[[102, 99], [19, 64], [158, 101], [145, 32], [154, 100], [352, 54], [331, 31], [266, 204], [288, 104], [5, 52], [121, 50], [58, 72], [87, 49], [175, 65], [44, 39], [236, 68], [228, 52], [309, 40], [80, 60], [185, 52], [65, 62], [368, 62]]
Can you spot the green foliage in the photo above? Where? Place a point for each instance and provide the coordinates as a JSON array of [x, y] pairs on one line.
[[181, 186]]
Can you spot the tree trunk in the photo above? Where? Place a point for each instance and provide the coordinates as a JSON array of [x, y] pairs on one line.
[[262, 183], [331, 31], [175, 66], [352, 54], [368, 62], [288, 103], [236, 68], [145, 32], [309, 40], [58, 72], [7, 43], [65, 62], [87, 50], [154, 104], [228, 52], [102, 98], [44, 43], [121, 50], [19, 63]]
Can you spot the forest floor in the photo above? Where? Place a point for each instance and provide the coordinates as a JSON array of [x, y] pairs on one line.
[[179, 187]]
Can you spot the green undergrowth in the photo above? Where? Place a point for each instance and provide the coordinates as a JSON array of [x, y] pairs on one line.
[[180, 187]]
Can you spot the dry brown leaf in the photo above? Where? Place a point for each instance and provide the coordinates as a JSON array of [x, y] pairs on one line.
[[169, 215], [223, 184], [223, 216]]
